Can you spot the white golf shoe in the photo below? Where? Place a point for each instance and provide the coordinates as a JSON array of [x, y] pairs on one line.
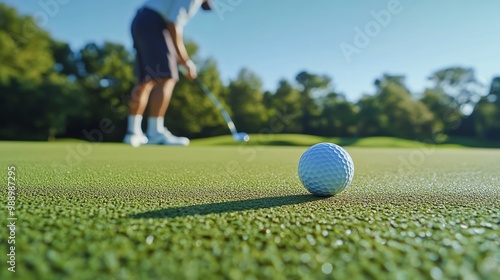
[[167, 138], [135, 139]]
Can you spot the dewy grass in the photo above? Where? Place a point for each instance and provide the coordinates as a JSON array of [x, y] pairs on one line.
[[109, 211]]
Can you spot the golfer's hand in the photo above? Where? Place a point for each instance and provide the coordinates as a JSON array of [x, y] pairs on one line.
[[191, 69]]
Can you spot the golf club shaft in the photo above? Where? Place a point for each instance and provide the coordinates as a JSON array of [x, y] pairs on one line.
[[218, 105]]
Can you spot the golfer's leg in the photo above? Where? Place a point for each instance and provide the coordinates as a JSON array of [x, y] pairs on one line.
[[137, 104], [159, 101], [152, 66], [160, 97], [140, 94], [139, 98], [158, 104]]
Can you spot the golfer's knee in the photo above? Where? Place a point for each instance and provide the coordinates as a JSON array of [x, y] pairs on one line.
[[166, 84], [141, 90], [164, 81]]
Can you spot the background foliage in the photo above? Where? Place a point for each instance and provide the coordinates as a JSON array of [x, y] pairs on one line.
[[48, 90]]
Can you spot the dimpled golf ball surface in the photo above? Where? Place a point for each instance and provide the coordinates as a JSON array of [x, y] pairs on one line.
[[326, 169]]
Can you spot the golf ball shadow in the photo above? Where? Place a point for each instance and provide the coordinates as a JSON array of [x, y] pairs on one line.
[[325, 169]]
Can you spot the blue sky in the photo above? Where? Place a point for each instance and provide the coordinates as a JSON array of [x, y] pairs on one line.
[[277, 39]]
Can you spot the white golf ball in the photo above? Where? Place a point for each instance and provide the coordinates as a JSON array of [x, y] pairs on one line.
[[325, 169]]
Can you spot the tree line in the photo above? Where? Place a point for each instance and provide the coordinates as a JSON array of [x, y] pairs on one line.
[[48, 91]]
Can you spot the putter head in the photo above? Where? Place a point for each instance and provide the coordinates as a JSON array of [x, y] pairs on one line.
[[240, 137]]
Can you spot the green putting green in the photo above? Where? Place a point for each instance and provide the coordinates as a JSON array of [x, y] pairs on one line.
[[109, 211], [367, 142]]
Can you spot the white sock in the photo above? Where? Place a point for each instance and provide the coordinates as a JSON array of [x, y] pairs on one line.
[[155, 125], [134, 124]]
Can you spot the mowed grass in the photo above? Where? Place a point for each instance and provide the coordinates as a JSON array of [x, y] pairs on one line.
[[367, 142], [109, 211]]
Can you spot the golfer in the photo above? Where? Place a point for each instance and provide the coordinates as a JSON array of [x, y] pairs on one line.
[[159, 44]]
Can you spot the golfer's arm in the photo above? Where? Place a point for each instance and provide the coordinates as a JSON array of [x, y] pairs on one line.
[[178, 39]]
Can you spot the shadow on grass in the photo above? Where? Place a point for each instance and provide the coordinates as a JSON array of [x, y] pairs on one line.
[[226, 207]]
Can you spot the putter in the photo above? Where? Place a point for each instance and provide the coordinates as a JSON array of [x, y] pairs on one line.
[[238, 136]]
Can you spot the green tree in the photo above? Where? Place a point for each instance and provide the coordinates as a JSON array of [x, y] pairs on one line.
[[486, 115], [372, 120], [311, 113], [66, 62], [106, 74], [37, 101], [190, 112], [406, 117], [340, 116], [446, 110], [60, 102], [494, 94], [285, 108], [246, 102], [24, 47], [461, 84]]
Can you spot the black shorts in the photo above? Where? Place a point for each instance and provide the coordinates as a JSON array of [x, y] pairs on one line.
[[155, 51]]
